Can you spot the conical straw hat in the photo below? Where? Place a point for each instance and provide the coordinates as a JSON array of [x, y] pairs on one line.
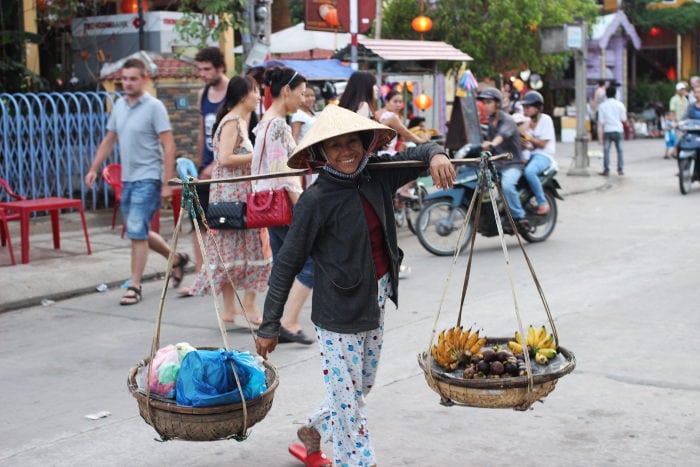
[[335, 121]]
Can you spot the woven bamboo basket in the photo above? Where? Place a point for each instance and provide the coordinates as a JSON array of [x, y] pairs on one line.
[[499, 393], [173, 421]]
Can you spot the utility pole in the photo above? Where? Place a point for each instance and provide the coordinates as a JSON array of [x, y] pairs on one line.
[[577, 35], [354, 13], [142, 45]]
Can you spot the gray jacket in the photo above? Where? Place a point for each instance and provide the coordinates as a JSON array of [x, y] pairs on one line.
[[329, 225]]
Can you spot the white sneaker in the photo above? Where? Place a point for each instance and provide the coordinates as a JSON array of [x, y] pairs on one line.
[[404, 271]]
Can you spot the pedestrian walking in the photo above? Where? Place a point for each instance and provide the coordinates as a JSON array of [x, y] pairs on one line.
[[345, 221], [303, 118], [670, 139], [274, 144], [140, 125], [360, 94], [240, 255], [611, 115], [211, 69]]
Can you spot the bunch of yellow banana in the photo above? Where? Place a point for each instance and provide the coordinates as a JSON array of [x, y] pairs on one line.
[[539, 344], [455, 346]]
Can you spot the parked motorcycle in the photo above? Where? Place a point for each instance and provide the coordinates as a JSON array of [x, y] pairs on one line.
[[444, 212], [687, 150], [406, 209]]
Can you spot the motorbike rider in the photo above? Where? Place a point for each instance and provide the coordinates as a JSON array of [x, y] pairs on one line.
[[543, 142], [693, 110], [502, 136]]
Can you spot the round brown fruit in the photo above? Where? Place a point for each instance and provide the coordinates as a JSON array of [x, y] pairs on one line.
[[497, 368]]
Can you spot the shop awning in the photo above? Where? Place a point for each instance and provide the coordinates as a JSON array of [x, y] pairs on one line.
[[401, 50], [312, 70]]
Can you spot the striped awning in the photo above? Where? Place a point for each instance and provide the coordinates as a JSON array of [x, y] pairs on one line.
[[401, 50]]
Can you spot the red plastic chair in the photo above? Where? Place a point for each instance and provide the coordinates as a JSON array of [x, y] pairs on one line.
[[5, 233], [8, 216], [112, 175]]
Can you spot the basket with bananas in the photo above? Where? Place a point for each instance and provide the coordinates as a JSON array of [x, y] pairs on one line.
[[472, 370]]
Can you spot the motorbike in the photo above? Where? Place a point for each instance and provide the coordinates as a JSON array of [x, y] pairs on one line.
[[444, 212], [687, 149], [406, 209]]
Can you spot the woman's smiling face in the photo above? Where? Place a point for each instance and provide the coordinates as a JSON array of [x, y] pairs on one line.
[[344, 152]]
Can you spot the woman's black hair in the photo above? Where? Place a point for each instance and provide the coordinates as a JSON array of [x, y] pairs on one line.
[[415, 121], [238, 88], [278, 77], [390, 95], [360, 88]]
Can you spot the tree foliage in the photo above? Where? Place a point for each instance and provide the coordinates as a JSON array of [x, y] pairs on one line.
[[198, 23], [502, 36], [682, 20]]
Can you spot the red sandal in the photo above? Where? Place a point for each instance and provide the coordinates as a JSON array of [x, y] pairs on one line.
[[315, 459]]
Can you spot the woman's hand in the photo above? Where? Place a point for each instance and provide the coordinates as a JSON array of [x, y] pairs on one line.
[[442, 171], [263, 345]]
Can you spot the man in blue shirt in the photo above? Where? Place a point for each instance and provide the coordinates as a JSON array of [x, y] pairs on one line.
[[140, 125]]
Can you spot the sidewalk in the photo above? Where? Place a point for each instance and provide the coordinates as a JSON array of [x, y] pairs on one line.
[[59, 274]]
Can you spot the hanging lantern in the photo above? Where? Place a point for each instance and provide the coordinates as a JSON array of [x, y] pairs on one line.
[[132, 6], [671, 74], [423, 101], [42, 5], [422, 24], [655, 31]]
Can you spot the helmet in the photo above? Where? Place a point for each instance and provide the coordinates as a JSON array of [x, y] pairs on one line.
[[533, 98], [490, 93]]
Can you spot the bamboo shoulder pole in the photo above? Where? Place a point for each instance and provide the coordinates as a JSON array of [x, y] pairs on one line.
[[298, 172]]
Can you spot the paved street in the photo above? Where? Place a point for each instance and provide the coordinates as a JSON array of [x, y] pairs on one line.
[[620, 274]]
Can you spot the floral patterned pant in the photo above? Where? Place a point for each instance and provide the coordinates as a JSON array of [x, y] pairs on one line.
[[349, 363]]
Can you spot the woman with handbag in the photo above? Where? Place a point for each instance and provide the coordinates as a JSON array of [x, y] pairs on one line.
[[242, 250], [345, 221], [274, 144]]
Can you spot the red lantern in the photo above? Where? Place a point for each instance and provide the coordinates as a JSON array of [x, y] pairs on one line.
[[653, 32], [423, 101], [132, 6], [671, 74], [41, 5], [422, 24]]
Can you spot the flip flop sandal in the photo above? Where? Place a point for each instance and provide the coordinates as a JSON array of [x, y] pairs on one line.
[[315, 459], [130, 298], [176, 279]]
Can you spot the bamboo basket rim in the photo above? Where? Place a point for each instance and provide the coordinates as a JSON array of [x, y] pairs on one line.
[[501, 383]]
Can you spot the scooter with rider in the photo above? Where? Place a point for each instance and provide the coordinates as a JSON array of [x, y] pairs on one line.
[[533, 210]]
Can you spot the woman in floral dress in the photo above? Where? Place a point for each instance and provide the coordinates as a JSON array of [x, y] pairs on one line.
[[242, 251]]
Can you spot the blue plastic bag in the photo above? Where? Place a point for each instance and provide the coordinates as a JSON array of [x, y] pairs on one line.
[[206, 378]]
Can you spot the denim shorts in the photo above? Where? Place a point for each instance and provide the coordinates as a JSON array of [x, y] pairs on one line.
[[140, 201], [277, 235]]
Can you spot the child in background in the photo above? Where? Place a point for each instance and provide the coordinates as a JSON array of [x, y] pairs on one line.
[[670, 134]]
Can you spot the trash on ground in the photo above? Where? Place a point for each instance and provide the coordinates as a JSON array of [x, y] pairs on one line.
[[98, 415]]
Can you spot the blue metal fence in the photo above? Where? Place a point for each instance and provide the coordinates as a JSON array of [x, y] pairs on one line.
[[48, 141]]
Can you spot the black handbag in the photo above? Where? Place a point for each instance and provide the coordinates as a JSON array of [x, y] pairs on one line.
[[226, 215]]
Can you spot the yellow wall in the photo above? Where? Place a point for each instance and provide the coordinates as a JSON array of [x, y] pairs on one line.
[[32, 50]]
